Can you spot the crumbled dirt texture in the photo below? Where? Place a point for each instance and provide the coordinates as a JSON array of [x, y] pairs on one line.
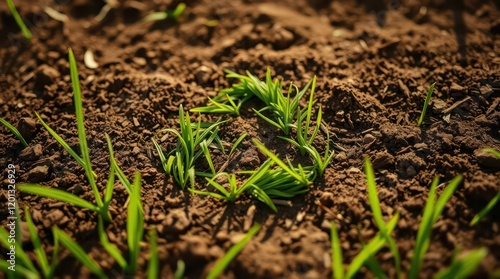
[[374, 61]]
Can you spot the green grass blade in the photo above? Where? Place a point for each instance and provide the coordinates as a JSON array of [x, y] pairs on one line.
[[78, 252], [37, 245], [14, 131], [263, 197], [208, 157], [237, 142], [485, 210], [337, 259], [20, 271], [56, 194], [135, 224], [464, 267], [223, 262], [62, 143], [154, 264], [424, 231], [23, 258], [424, 110], [179, 272], [81, 127], [177, 12], [24, 29], [108, 246], [492, 151], [445, 196]]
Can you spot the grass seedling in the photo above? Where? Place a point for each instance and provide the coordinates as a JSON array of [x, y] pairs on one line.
[[432, 211], [14, 131], [154, 263], [493, 201], [337, 259], [462, 268], [174, 14], [24, 29], [135, 231], [193, 141], [223, 262], [377, 215], [25, 268], [237, 143], [426, 103]]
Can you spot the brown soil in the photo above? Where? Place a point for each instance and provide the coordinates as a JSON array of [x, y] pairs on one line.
[[374, 61]]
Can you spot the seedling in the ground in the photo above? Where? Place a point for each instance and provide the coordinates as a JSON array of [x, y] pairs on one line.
[[223, 262], [493, 201], [25, 268], [463, 267], [427, 99], [14, 131], [377, 215], [135, 231], [193, 141], [432, 211], [24, 29], [170, 14], [304, 141], [154, 263]]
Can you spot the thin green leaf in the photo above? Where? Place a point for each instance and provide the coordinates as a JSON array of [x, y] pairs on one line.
[[154, 264], [237, 142], [465, 266], [135, 224], [223, 262], [78, 252], [20, 271], [13, 129], [426, 103], [179, 272], [57, 195], [108, 246], [492, 151], [37, 245], [485, 210], [337, 259], [24, 29]]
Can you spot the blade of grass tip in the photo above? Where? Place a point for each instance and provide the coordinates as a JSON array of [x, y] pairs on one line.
[[427, 99], [135, 224], [179, 272], [108, 192], [377, 213], [465, 266], [81, 127], [62, 143], [178, 11], [77, 251], [445, 196], [56, 194], [424, 231], [14, 131], [337, 260], [237, 142], [37, 244], [153, 265], [24, 29], [485, 210], [223, 262]]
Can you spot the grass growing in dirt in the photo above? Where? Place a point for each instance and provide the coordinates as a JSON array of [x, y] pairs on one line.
[[223, 262], [174, 14], [24, 29], [193, 141], [459, 268], [493, 201], [14, 131], [426, 103]]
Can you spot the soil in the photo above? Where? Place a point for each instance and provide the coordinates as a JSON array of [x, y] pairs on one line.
[[374, 61]]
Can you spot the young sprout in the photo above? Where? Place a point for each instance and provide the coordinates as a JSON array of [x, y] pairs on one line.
[[463, 267], [237, 142], [223, 262], [154, 263], [432, 211], [337, 261], [193, 141], [426, 103], [169, 14], [377, 215], [493, 201], [135, 231], [24, 29], [14, 131]]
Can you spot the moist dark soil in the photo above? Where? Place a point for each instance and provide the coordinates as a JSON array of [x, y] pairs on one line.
[[374, 61]]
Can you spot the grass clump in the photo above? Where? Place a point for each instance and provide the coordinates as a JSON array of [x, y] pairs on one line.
[[193, 141], [24, 29], [14, 131], [493, 201], [223, 262], [281, 107], [426, 103]]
